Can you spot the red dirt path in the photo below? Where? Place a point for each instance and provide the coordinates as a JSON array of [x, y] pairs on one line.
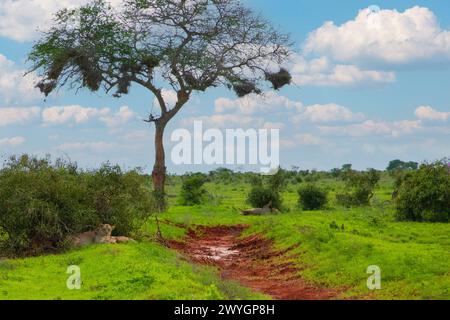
[[251, 261]]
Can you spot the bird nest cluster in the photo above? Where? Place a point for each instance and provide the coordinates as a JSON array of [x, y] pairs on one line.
[[279, 79], [244, 88]]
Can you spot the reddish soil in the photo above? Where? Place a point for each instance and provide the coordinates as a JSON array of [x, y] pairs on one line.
[[251, 261]]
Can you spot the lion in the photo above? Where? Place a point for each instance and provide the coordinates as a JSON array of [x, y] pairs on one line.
[[100, 236], [267, 209]]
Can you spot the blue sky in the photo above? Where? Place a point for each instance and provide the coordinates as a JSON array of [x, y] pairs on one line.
[[371, 85]]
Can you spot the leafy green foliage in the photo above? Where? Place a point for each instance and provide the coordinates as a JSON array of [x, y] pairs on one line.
[[424, 195], [261, 196], [192, 190], [266, 190], [42, 203], [311, 197], [359, 187], [96, 46], [401, 165]]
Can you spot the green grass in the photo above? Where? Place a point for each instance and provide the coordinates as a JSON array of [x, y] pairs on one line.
[[414, 257], [127, 271]]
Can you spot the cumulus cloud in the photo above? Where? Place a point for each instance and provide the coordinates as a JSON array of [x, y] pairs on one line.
[[20, 19], [428, 113], [273, 125], [224, 121], [14, 85], [12, 142], [304, 139], [71, 114], [371, 127], [322, 72], [386, 37], [76, 114], [98, 147], [10, 116], [253, 103], [121, 117], [327, 113], [170, 98]]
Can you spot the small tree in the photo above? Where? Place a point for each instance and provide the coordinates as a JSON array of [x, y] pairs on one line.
[[360, 187], [401, 165], [311, 197], [186, 45], [261, 196], [192, 190], [266, 190], [424, 195]]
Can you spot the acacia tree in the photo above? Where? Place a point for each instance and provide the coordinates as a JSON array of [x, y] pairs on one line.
[[184, 45]]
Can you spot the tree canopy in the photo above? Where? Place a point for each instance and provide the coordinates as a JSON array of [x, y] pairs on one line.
[[190, 45]]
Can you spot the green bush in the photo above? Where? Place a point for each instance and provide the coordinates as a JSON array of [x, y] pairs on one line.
[[424, 195], [42, 203], [261, 196], [311, 197], [360, 187], [192, 190]]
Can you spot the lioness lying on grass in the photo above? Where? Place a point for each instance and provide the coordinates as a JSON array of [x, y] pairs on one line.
[[267, 209], [101, 235]]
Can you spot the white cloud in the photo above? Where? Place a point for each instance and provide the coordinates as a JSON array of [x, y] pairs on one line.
[[14, 85], [322, 72], [10, 116], [224, 121], [327, 113], [71, 114], [386, 37], [304, 139], [273, 125], [97, 147], [170, 98], [121, 117], [371, 127], [20, 19], [428, 113], [253, 103], [12, 142], [138, 135]]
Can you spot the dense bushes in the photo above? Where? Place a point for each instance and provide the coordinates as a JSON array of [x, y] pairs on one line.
[[424, 195], [41, 203], [267, 190], [261, 196], [192, 190], [311, 197], [360, 187]]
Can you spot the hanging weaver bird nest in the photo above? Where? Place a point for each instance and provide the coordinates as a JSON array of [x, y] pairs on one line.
[[123, 85], [60, 62], [245, 88], [46, 87], [190, 79], [88, 66], [279, 79], [150, 62]]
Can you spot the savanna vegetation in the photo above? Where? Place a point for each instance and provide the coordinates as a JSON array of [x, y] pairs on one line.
[[402, 227]]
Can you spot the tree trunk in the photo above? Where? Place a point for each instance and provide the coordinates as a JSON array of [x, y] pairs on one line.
[[159, 169]]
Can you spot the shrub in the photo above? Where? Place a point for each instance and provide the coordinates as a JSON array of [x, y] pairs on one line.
[[266, 189], [311, 197], [42, 203], [424, 195], [192, 190], [360, 188], [261, 196]]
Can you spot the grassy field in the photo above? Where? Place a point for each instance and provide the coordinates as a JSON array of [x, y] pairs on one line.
[[414, 257]]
